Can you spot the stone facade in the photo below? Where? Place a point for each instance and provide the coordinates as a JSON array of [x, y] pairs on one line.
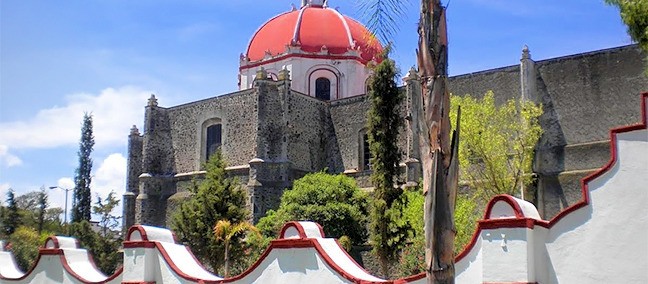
[[272, 134]]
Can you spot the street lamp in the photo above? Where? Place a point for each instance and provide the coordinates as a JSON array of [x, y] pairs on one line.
[[66, 198]]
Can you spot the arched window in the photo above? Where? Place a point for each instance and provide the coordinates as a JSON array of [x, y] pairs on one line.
[[213, 140], [323, 88], [366, 153]]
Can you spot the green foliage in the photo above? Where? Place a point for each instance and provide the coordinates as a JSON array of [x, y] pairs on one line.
[[81, 202], [497, 143], [104, 208], [24, 243], [634, 14], [104, 250], [466, 216], [11, 216], [215, 198], [42, 208], [225, 231], [412, 258], [389, 230], [383, 16], [333, 201]]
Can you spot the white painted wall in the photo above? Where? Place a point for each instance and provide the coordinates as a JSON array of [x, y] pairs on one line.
[[348, 76]]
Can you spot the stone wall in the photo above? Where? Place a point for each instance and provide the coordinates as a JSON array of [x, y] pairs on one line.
[[238, 115], [307, 135], [583, 96], [349, 119]]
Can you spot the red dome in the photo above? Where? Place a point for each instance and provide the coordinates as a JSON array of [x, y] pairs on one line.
[[311, 28]]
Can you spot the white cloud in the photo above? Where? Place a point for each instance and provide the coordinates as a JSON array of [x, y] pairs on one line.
[[110, 176], [4, 188], [114, 112], [7, 159]]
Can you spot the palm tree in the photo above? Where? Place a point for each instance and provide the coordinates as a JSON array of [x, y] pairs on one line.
[[438, 152], [225, 231]]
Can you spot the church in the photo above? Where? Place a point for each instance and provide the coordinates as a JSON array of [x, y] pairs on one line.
[[301, 107]]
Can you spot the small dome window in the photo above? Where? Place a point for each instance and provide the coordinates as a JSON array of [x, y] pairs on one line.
[[323, 89]]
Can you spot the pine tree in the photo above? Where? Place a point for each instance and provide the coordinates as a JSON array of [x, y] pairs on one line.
[[42, 208], [215, 198], [81, 207], [12, 217], [389, 230]]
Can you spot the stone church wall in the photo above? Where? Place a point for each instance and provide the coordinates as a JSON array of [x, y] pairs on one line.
[[237, 113], [349, 118], [583, 96], [306, 132]]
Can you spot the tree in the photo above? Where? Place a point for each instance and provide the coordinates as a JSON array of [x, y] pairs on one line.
[[634, 14], [224, 231], [24, 243], [81, 207], [104, 250], [388, 230], [497, 144], [438, 151], [12, 217], [333, 201], [215, 198], [42, 208], [104, 208], [412, 260]]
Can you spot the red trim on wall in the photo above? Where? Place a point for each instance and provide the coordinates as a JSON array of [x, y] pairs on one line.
[[530, 223], [300, 229], [138, 228], [138, 244], [508, 199]]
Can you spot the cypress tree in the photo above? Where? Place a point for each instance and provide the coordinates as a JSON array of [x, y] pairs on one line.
[[82, 207], [389, 230], [12, 217], [42, 208]]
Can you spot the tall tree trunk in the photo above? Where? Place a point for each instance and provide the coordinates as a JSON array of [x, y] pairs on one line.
[[438, 155]]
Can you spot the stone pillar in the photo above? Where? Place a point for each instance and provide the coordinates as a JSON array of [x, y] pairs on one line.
[[156, 181], [270, 171], [527, 76], [134, 169], [412, 162]]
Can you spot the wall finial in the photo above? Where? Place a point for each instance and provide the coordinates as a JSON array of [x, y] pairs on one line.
[[525, 52], [152, 101], [134, 131]]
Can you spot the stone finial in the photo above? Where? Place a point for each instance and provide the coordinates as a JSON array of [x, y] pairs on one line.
[[261, 74], [525, 52], [412, 74], [284, 74], [152, 101], [134, 131]]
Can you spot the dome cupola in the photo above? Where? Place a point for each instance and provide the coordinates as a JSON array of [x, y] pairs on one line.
[[313, 42]]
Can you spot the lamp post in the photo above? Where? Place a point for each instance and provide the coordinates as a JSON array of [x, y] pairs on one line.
[[65, 213]]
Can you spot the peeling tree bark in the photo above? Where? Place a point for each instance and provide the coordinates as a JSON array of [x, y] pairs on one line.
[[438, 153]]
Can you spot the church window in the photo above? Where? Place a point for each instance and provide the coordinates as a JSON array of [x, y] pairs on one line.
[[323, 88], [366, 153], [214, 139]]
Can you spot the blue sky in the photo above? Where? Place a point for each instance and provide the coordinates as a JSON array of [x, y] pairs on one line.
[[62, 58]]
